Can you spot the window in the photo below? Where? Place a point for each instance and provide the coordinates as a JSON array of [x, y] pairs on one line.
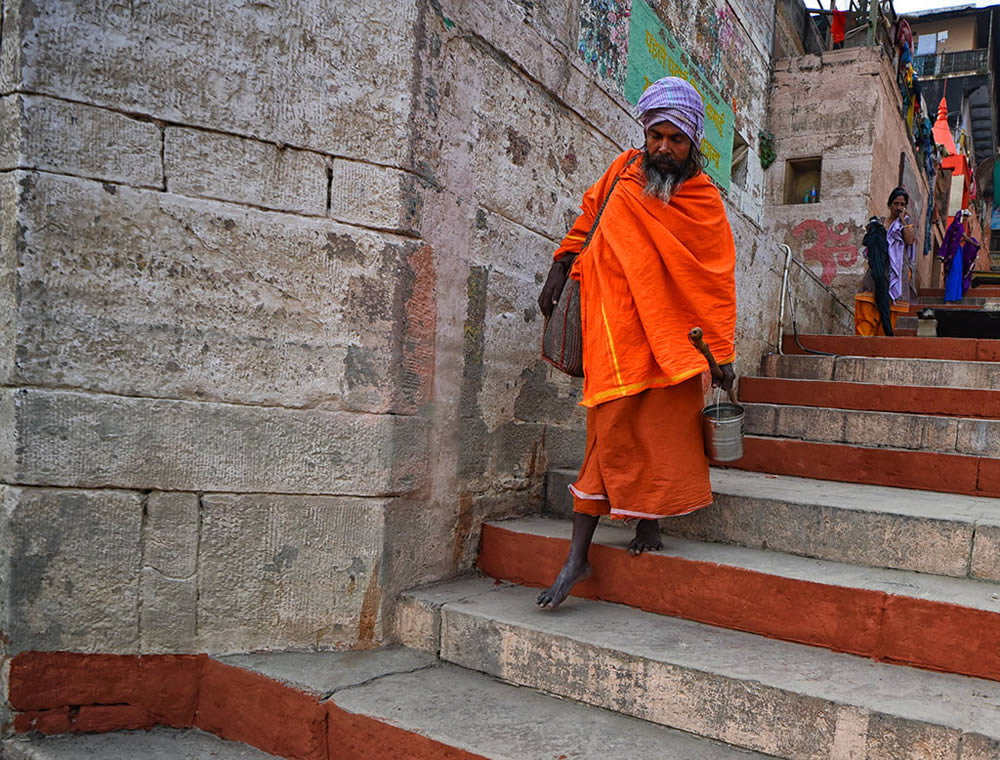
[[738, 172], [802, 180], [927, 44]]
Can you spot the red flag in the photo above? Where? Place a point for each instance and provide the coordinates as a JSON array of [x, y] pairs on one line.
[[839, 26]]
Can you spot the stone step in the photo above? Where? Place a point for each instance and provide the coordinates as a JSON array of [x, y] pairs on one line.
[[956, 402], [896, 528], [937, 373], [379, 705], [956, 349], [898, 468], [781, 698], [918, 432], [158, 744], [895, 615], [475, 717]]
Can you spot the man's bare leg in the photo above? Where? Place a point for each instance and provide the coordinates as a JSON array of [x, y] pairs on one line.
[[577, 567], [647, 538]]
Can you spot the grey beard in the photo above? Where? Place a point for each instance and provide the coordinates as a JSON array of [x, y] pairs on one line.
[[660, 183]]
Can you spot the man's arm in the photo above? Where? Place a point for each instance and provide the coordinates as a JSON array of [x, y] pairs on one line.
[[566, 254]]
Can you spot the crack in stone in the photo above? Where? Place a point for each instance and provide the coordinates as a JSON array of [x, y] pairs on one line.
[[419, 668]]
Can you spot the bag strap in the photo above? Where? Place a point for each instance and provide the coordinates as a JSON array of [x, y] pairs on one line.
[[593, 227]]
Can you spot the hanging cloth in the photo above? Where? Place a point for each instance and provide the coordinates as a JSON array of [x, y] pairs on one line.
[[839, 27]]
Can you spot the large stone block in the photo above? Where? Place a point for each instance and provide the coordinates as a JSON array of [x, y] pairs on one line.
[[544, 156], [230, 168], [986, 551], [71, 138], [298, 72], [373, 196], [168, 618], [10, 47], [90, 440], [72, 561], [9, 237], [170, 534], [152, 294], [306, 576]]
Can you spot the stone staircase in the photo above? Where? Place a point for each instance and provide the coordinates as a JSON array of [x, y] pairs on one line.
[[839, 601]]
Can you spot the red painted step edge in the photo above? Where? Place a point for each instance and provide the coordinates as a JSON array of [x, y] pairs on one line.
[[897, 347], [954, 402], [70, 692], [920, 470], [858, 621]]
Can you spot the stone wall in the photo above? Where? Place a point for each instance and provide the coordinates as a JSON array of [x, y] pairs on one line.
[[269, 273]]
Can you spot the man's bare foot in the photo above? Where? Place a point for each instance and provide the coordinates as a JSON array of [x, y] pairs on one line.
[[571, 574], [647, 538]]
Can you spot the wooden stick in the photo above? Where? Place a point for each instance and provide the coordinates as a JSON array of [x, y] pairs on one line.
[[696, 336]]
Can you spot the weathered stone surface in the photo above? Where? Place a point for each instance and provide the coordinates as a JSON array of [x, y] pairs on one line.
[[373, 196], [819, 704], [71, 138], [73, 571], [168, 616], [170, 534], [10, 47], [9, 240], [986, 551], [74, 439], [188, 298], [881, 429], [531, 176], [10, 132], [305, 74], [979, 437], [228, 168], [308, 572]]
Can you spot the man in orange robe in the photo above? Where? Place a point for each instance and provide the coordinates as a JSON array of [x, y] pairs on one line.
[[660, 262]]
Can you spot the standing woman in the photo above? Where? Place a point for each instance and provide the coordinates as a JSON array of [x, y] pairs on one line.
[[901, 236]]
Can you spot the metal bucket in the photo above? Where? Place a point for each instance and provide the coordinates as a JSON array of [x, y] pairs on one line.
[[723, 425]]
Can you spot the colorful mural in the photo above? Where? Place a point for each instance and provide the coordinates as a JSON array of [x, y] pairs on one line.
[[604, 39], [654, 53]]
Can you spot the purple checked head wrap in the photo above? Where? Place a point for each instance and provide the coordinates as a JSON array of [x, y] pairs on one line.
[[675, 100]]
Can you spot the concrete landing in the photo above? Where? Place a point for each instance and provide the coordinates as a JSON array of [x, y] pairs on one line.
[[158, 744], [894, 615], [784, 699]]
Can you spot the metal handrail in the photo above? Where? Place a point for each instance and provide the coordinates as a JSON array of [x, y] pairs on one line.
[[789, 259]]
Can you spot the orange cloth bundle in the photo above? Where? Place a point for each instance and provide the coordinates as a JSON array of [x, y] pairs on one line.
[[652, 271]]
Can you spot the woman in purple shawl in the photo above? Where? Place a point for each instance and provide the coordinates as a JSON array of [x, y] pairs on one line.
[[958, 253], [901, 235]]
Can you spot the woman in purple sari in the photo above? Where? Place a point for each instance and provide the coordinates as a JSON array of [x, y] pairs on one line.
[[901, 236], [958, 254]]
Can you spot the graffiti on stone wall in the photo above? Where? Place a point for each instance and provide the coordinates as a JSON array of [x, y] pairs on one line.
[[603, 42], [833, 247]]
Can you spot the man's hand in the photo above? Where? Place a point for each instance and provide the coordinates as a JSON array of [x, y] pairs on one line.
[[728, 378], [553, 286]]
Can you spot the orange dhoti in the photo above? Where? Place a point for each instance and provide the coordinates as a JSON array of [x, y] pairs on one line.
[[645, 455], [866, 317]]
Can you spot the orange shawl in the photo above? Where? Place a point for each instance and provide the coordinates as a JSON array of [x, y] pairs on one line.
[[652, 271]]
